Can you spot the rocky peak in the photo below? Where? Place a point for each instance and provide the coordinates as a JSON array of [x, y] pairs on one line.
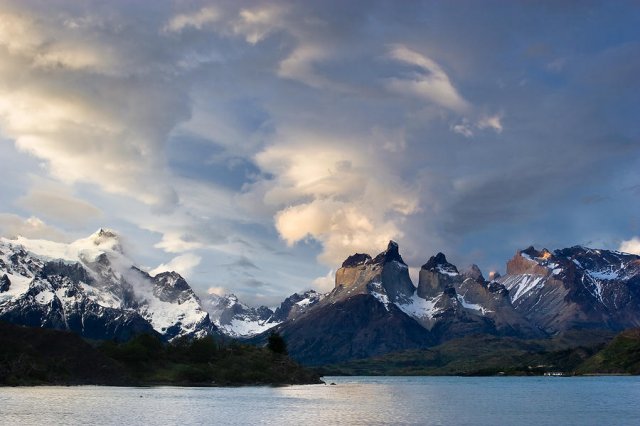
[[600, 261], [498, 288], [438, 263], [173, 280], [437, 276], [529, 261], [473, 272], [296, 304], [389, 255], [106, 239], [387, 270], [531, 253], [355, 260]]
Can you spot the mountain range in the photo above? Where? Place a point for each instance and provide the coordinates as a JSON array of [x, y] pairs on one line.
[[93, 288]]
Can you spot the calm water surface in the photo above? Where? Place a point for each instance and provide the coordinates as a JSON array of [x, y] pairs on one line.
[[354, 400]]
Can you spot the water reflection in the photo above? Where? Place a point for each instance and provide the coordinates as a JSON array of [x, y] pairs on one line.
[[413, 400]]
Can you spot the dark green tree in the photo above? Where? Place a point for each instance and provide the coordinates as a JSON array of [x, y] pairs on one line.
[[276, 343]]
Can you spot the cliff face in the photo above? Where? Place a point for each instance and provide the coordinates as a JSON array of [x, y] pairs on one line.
[[386, 273], [374, 308], [436, 276]]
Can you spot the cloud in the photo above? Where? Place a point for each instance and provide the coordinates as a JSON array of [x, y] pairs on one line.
[[218, 291], [12, 226], [197, 20], [183, 264], [58, 70], [329, 190], [255, 283], [430, 82], [630, 246], [59, 205], [299, 65], [493, 122], [466, 127], [255, 24], [353, 122], [325, 283], [244, 262]]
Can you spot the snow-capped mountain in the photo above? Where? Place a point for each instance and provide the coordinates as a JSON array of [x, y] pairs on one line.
[[236, 319], [375, 308], [576, 287], [91, 287], [453, 304]]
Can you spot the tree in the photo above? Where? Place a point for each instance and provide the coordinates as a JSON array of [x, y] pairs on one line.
[[276, 343]]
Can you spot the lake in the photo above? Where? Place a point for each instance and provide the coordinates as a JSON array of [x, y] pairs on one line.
[[354, 400]]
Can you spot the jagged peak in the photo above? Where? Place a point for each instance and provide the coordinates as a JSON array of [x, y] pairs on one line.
[[106, 238], [532, 253], [392, 253], [105, 232], [172, 279], [473, 271], [439, 263]]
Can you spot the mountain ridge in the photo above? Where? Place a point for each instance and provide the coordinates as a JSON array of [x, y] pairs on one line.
[[91, 287]]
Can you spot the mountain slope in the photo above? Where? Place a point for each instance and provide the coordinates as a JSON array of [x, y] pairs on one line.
[[375, 308], [235, 319], [92, 288], [577, 287], [356, 327]]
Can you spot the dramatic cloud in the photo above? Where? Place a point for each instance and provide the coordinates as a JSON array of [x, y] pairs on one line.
[[337, 194], [430, 82], [287, 135], [74, 94]]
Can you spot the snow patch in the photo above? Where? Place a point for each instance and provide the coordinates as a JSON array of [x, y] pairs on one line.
[[45, 297], [379, 293], [446, 271], [604, 274], [522, 284], [304, 302], [19, 286], [418, 307], [246, 328], [473, 306]]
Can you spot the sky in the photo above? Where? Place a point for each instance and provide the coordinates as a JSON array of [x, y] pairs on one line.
[[253, 146]]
